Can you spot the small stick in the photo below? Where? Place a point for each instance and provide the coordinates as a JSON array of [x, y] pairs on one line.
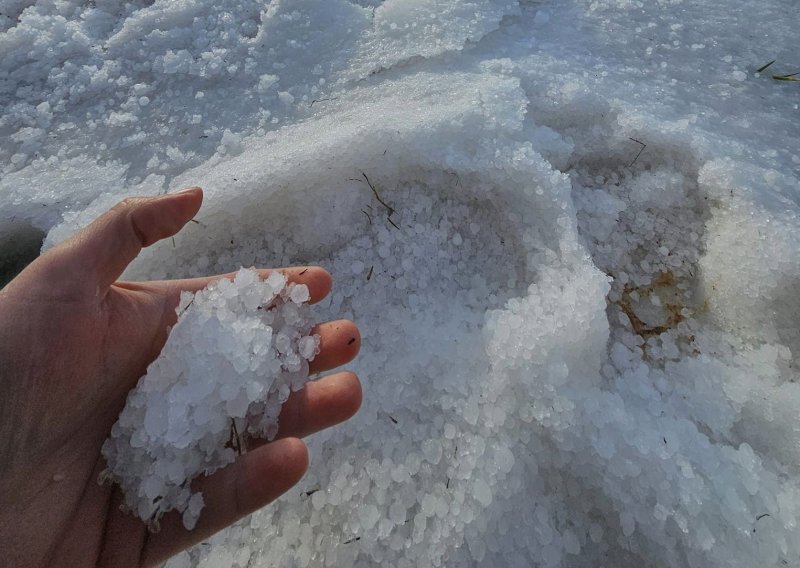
[[369, 274], [236, 434], [640, 151], [187, 306], [322, 100], [377, 196], [368, 217]]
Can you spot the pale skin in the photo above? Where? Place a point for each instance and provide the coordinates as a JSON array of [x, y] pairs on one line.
[[73, 341]]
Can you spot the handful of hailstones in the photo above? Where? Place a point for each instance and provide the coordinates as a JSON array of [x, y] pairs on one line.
[[237, 351]]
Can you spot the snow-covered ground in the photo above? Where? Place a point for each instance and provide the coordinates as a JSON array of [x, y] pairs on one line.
[[568, 231]]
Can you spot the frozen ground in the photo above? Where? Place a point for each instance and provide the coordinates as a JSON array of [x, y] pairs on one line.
[[577, 279]]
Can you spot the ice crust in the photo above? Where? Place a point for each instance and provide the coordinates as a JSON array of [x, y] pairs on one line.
[[237, 351], [567, 231]]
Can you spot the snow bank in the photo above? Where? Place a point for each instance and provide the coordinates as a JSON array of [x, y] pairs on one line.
[[566, 230]]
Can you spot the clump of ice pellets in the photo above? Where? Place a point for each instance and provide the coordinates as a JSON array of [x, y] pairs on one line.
[[237, 351]]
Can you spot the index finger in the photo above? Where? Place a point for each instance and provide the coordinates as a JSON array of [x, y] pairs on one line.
[[317, 279]]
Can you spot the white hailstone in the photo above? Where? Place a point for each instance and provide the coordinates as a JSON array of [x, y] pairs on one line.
[[627, 523], [238, 348], [299, 294], [482, 492], [397, 513], [368, 516], [432, 449], [504, 459], [428, 505]]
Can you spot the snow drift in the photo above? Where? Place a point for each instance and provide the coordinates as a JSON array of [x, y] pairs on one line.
[[567, 231]]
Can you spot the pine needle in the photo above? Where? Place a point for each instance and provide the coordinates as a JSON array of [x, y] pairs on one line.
[[760, 69]]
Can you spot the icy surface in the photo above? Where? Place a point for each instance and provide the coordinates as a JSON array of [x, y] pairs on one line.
[[567, 230], [237, 351]]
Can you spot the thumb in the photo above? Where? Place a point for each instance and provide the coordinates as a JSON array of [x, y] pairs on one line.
[[95, 257]]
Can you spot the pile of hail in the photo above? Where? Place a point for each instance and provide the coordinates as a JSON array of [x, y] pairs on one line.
[[237, 351]]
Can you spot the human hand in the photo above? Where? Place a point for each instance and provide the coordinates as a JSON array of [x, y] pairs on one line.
[[73, 342]]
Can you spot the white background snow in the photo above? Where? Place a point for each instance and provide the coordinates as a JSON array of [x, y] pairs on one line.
[[580, 308]]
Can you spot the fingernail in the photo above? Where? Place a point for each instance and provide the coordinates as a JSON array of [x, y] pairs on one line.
[[188, 189]]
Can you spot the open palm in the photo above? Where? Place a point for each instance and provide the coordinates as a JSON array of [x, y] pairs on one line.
[[73, 342]]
